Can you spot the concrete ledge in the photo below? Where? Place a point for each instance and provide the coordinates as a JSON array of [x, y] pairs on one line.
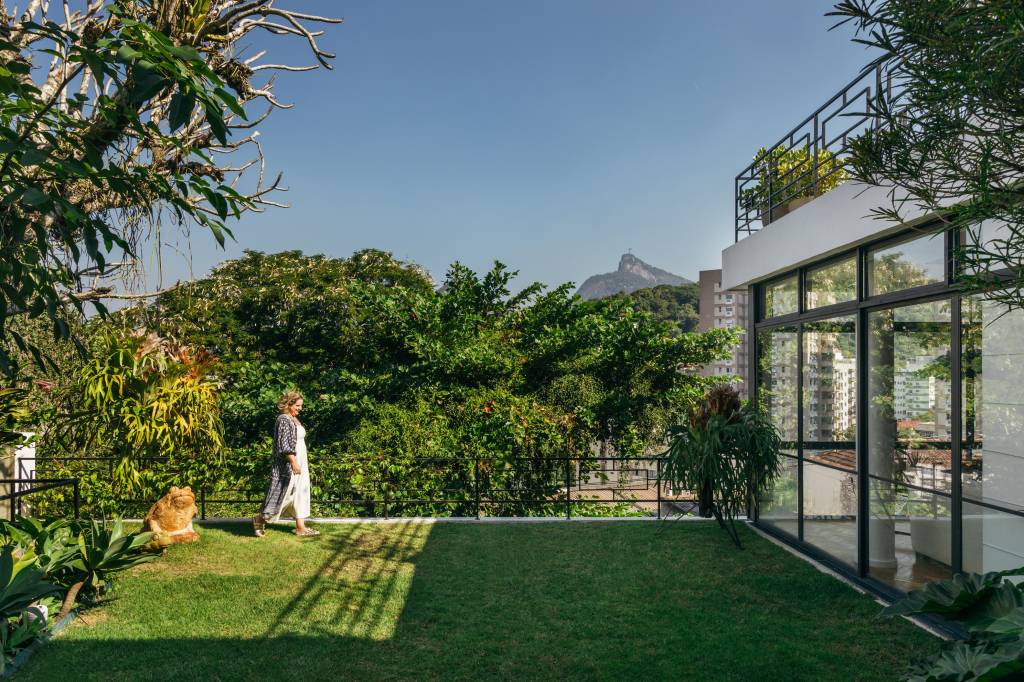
[[832, 223]]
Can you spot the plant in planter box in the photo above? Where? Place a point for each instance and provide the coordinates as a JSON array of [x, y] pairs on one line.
[[726, 451], [786, 179]]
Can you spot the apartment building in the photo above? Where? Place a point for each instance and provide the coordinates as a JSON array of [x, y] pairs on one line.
[[724, 309]]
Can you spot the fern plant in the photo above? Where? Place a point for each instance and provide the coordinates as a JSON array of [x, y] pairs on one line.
[[726, 451]]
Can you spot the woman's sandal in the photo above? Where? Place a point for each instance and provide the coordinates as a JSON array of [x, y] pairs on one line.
[[307, 533], [259, 525]]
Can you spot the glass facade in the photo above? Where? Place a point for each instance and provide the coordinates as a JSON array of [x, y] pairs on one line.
[[902, 411], [913, 262], [780, 507], [831, 284], [782, 297]]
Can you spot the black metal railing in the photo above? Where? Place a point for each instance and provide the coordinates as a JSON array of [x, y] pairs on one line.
[[22, 490], [456, 486], [811, 158]]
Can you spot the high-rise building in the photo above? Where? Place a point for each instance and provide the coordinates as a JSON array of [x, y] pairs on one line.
[[724, 309]]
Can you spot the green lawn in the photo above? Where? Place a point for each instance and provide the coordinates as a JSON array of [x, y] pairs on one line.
[[420, 601]]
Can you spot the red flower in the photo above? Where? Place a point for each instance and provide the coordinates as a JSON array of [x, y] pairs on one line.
[[44, 385]]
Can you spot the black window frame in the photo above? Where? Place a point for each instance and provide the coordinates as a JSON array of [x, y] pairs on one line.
[[860, 308]]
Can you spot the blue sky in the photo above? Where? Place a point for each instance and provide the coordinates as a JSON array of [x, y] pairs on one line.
[[551, 135]]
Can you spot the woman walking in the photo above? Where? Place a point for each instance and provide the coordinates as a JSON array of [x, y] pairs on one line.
[[289, 474]]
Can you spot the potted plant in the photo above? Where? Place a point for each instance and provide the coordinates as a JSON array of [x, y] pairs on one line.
[[789, 178], [728, 452]]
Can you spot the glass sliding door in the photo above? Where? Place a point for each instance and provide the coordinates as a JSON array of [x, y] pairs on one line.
[[829, 404], [779, 506], [909, 449], [856, 367], [777, 390]]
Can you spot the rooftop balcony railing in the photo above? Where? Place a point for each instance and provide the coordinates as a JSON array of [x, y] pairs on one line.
[[809, 160]]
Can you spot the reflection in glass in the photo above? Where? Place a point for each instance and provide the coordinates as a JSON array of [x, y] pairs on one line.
[[909, 398], [908, 414], [831, 284], [911, 263], [992, 461], [990, 238], [830, 382], [777, 383], [993, 540], [778, 506], [830, 504], [780, 298], [909, 535]]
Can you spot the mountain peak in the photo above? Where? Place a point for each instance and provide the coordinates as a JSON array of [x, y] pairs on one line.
[[632, 274]]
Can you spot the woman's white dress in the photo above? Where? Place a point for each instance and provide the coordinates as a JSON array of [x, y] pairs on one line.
[[296, 500]]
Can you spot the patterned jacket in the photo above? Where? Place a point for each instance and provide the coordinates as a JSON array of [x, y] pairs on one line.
[[286, 434]]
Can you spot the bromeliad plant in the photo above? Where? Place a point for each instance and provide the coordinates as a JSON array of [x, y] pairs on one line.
[[726, 451], [991, 611]]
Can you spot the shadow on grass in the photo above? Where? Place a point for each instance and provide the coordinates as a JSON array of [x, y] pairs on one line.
[[600, 601], [245, 528]]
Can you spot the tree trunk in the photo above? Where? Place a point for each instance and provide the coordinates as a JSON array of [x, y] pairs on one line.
[[705, 498], [69, 599]]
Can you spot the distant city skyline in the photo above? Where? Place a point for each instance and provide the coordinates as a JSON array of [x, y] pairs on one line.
[[553, 137]]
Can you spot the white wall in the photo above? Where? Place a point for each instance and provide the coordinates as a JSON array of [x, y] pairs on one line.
[[1002, 421], [25, 455], [833, 222]]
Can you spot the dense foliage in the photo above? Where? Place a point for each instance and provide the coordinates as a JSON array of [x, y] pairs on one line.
[[48, 568], [678, 304], [395, 372], [949, 137], [13, 411], [119, 119], [990, 609], [140, 397]]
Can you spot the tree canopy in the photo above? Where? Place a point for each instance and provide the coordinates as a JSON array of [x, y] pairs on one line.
[[677, 304], [370, 329], [949, 137], [118, 119], [394, 369]]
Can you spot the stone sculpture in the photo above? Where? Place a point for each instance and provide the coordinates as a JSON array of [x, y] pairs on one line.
[[170, 519]]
